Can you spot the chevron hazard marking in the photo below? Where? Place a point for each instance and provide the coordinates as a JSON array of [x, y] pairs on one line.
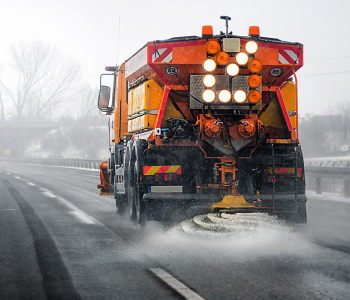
[[151, 170], [287, 171]]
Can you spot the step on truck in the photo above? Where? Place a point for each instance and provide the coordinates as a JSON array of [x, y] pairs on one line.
[[205, 123]]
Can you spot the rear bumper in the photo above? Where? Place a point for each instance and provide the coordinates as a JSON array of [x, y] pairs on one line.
[[154, 197], [159, 204], [267, 201]]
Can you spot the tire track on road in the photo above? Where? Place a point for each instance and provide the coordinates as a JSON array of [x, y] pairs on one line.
[[57, 281]]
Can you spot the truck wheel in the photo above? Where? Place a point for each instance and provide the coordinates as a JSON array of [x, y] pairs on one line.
[[140, 215], [136, 205]]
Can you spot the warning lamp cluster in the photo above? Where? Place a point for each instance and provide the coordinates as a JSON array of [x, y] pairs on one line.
[[233, 59]]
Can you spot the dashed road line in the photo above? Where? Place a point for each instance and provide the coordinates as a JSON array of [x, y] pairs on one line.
[[48, 194], [176, 285], [78, 213], [31, 183], [83, 217]]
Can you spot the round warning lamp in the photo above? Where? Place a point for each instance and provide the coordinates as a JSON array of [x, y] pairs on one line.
[[254, 97], [208, 96], [254, 81], [209, 65], [239, 96], [251, 47], [232, 69], [255, 66], [213, 47], [222, 58], [224, 96], [242, 58], [209, 80]]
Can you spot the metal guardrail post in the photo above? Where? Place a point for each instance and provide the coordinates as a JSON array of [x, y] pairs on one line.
[[347, 188], [318, 186]]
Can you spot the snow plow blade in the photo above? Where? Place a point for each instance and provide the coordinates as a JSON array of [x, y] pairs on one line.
[[232, 204]]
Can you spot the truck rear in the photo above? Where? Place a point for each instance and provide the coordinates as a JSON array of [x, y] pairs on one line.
[[206, 123]]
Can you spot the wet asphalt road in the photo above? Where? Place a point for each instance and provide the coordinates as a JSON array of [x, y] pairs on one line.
[[60, 240]]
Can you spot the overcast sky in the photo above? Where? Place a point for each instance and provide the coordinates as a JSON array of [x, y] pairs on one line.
[[92, 31]]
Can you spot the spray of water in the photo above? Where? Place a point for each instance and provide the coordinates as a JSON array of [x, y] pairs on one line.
[[237, 237]]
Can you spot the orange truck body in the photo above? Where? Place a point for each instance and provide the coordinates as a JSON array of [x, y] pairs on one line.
[[160, 120]]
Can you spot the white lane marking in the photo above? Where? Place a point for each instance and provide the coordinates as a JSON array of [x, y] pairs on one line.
[[16, 177], [74, 210], [8, 173], [30, 183], [50, 195], [182, 289], [78, 212], [83, 217]]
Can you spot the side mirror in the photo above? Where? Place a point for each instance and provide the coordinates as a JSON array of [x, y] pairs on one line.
[[103, 98]]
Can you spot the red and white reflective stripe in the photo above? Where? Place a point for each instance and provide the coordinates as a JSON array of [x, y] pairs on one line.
[[151, 170], [163, 55], [287, 57]]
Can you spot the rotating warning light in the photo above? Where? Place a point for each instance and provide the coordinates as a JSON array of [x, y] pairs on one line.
[[209, 65], [254, 81], [213, 47], [208, 96], [242, 58], [207, 31], [224, 96], [232, 69], [255, 66], [254, 31], [254, 97], [251, 47], [209, 80], [222, 58], [239, 96]]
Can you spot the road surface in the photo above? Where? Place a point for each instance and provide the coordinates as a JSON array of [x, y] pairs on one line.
[[60, 240]]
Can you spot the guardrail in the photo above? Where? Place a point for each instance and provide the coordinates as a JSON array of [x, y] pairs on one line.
[[338, 178], [77, 163], [336, 174]]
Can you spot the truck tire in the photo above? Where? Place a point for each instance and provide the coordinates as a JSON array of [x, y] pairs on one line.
[[134, 190]]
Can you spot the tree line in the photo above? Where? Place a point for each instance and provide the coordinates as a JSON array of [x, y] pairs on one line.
[[45, 108]]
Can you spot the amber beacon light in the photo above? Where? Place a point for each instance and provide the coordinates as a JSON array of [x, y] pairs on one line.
[[207, 31], [254, 31]]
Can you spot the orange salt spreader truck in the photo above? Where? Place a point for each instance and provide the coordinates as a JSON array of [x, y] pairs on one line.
[[205, 123]]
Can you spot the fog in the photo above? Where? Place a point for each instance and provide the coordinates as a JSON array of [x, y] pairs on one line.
[[101, 33]]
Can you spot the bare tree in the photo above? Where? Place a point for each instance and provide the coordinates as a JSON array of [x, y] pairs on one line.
[[342, 108], [87, 100], [43, 76], [2, 112]]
